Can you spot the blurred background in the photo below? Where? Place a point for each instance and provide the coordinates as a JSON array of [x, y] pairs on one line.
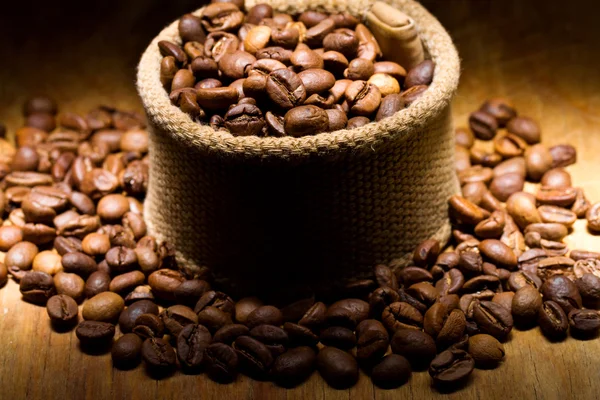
[[544, 55]]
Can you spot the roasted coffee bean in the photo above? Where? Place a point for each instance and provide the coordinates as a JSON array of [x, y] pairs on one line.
[[521, 279], [391, 372], [445, 325], [411, 275], [21, 256], [385, 277], [265, 315], [149, 325], [127, 351], [94, 335], [274, 337], [228, 333], [417, 346], [426, 253], [451, 367], [300, 335], [557, 215], [589, 289], [451, 282], [563, 291], [221, 361], [504, 299], [338, 336], [584, 324], [401, 315], [218, 300], [37, 287], [213, 318], [492, 227], [563, 155], [522, 208], [581, 204], [306, 120], [255, 358], [192, 342], [142, 292], [593, 218], [372, 341], [338, 368], [158, 355], [493, 319], [504, 185], [498, 253], [470, 263], [178, 317], [348, 313], [501, 109], [363, 98], [164, 282], [486, 350], [71, 285], [525, 305], [294, 366], [390, 104], [381, 298], [465, 211], [105, 307], [481, 283], [556, 178], [483, 125], [62, 310], [128, 317], [552, 320]]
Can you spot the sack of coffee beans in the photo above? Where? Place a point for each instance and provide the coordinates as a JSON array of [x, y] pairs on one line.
[[264, 212]]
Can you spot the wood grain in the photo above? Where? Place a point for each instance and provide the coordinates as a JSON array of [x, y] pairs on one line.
[[542, 55]]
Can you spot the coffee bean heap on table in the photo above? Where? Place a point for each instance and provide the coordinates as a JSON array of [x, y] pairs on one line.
[[271, 74], [75, 240]]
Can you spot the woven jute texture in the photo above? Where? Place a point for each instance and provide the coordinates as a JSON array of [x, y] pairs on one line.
[[260, 211]]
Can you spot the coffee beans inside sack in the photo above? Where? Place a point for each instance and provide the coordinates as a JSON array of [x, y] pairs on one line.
[[266, 73]]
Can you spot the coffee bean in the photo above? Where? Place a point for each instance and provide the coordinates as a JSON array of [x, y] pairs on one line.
[[221, 361], [269, 315], [501, 109], [218, 300], [498, 253], [483, 125], [192, 342], [294, 366], [522, 208], [126, 352], [584, 324], [493, 319], [94, 335], [521, 279], [445, 325], [553, 321], [486, 350], [525, 305], [128, 317], [465, 211], [273, 337], [363, 98], [563, 291], [338, 336], [417, 346], [71, 285], [411, 275], [37, 287], [421, 74], [348, 312], [589, 289], [158, 355], [149, 325], [21, 256], [62, 310], [338, 368], [228, 333], [40, 104], [563, 155], [255, 358], [105, 307], [451, 367], [372, 340], [401, 315], [593, 218], [305, 120], [392, 371], [304, 58]]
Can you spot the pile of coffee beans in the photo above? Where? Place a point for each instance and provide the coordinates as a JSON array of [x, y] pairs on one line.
[[266, 73], [74, 238]]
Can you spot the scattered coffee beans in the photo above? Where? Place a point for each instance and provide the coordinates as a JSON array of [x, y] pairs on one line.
[[76, 233]]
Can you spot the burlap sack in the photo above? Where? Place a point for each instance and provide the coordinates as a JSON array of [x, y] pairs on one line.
[[265, 211]]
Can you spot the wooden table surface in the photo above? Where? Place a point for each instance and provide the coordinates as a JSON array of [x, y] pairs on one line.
[[544, 55]]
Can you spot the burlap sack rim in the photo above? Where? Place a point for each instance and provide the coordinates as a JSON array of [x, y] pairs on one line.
[[405, 123]]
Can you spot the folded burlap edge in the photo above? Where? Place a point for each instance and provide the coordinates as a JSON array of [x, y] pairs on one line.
[[336, 144]]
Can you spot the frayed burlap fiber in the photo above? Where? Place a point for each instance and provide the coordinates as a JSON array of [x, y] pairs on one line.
[[264, 210]]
